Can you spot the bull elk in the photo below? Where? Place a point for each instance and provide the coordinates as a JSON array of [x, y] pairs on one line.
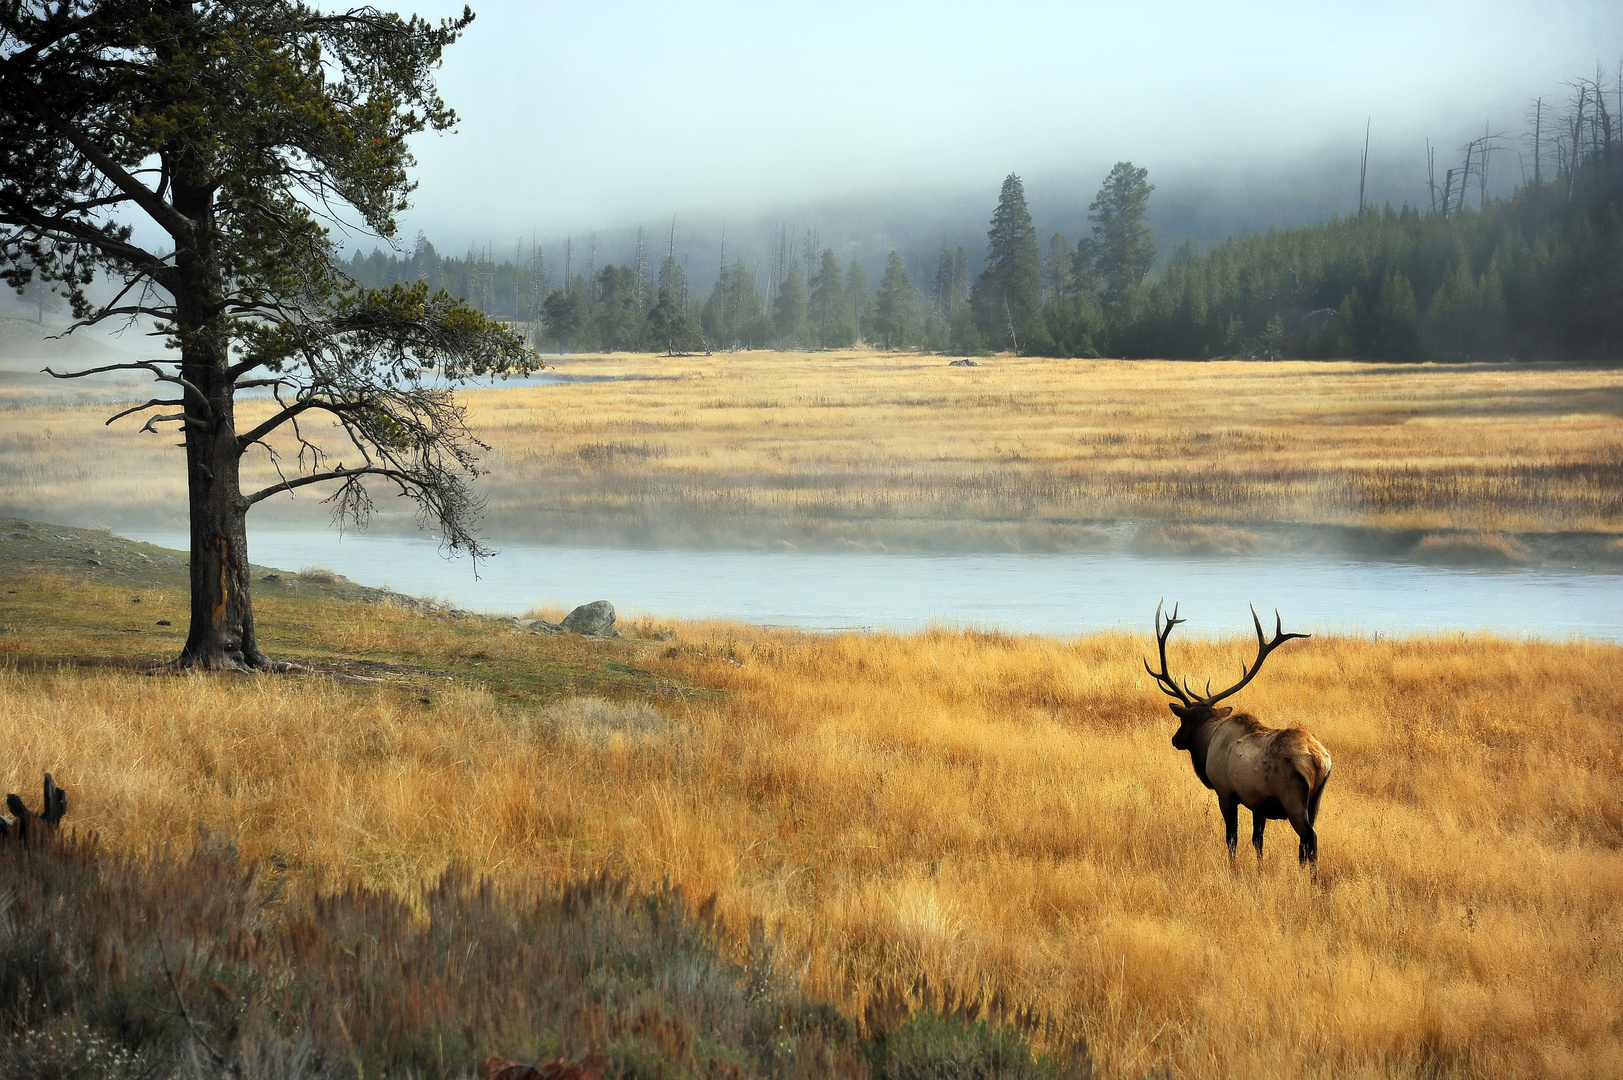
[[1275, 773]]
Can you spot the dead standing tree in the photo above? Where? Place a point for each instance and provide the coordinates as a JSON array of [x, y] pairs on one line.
[[237, 130]]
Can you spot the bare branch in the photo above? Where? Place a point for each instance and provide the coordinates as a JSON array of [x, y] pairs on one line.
[[180, 416], [141, 366], [340, 473], [153, 404], [144, 365], [337, 408]]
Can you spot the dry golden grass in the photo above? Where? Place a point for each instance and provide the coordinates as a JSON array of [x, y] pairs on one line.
[[991, 812], [767, 448]]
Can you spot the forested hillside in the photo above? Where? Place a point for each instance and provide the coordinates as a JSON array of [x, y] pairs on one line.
[[1536, 274]]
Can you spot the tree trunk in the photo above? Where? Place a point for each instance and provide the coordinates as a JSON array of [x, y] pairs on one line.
[[222, 627]]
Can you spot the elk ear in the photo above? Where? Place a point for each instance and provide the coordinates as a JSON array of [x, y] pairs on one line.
[[1178, 710], [1224, 712]]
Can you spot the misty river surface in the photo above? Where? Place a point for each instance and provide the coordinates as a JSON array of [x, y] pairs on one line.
[[1051, 594]]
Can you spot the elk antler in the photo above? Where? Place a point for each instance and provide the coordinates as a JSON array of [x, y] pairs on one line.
[[1168, 686], [1264, 647]]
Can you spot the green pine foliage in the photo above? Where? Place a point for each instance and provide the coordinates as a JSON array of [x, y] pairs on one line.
[[894, 312], [831, 323], [859, 294], [1121, 249], [1059, 271], [671, 328], [735, 315], [789, 308], [1536, 275], [1007, 296]]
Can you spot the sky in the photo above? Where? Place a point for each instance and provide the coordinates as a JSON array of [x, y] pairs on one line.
[[578, 116]]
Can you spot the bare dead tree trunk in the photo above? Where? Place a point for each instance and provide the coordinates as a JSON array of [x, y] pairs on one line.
[[1577, 141], [1363, 167], [1465, 177], [1431, 174], [1538, 136]]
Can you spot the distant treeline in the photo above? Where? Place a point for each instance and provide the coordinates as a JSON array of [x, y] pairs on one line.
[[1537, 274]]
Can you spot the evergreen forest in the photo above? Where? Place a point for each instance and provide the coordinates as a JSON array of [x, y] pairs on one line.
[[1535, 274]]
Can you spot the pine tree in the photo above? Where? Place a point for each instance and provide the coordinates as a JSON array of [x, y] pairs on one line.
[[789, 307], [670, 327], [827, 313], [893, 311], [1008, 294], [1122, 249], [1058, 269], [191, 153], [859, 295], [735, 314], [943, 287], [674, 279], [1396, 319]]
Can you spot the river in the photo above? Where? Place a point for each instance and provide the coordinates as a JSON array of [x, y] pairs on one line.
[[1050, 594]]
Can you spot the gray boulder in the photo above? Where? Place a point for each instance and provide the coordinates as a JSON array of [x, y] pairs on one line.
[[540, 626], [594, 618], [965, 362]]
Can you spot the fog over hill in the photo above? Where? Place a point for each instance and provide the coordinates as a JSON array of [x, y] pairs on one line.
[[1202, 206], [893, 126]]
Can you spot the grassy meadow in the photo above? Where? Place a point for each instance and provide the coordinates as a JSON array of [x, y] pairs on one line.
[[942, 815], [865, 448]]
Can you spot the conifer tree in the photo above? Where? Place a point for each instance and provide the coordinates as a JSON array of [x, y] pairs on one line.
[[674, 280], [789, 307], [893, 310], [1396, 319], [565, 317], [233, 131], [670, 327], [943, 287], [827, 313], [1122, 249], [735, 314], [860, 296], [1058, 269], [1008, 294]]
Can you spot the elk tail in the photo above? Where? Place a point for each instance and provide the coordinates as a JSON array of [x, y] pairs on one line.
[[1317, 775]]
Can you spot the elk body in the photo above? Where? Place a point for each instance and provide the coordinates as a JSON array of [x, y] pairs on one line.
[[1276, 773]]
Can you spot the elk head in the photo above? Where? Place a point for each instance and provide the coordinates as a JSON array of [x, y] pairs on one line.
[[1192, 709]]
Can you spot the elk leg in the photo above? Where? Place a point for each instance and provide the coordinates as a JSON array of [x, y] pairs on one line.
[[1299, 805], [1258, 823], [1230, 806], [1307, 852]]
